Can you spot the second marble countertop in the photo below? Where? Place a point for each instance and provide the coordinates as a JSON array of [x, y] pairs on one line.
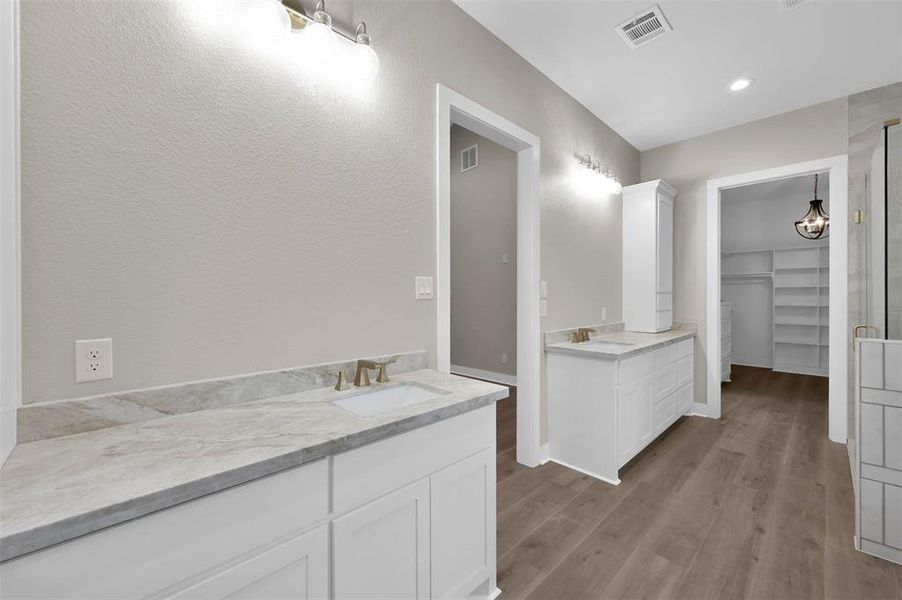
[[622, 344]]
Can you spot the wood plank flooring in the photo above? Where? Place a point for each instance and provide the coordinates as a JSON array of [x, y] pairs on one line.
[[755, 505]]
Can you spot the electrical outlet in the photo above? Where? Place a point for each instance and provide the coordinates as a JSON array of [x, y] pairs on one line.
[[93, 360], [504, 259], [504, 359]]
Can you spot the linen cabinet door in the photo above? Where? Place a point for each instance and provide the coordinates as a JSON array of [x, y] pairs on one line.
[[381, 550], [462, 513], [297, 569]]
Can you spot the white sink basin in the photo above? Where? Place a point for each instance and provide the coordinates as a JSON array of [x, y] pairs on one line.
[[381, 400]]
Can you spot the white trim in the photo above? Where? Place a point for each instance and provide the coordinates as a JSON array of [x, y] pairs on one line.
[[494, 594], [838, 167], [700, 410], [584, 472], [10, 253], [494, 377], [453, 108], [544, 453]]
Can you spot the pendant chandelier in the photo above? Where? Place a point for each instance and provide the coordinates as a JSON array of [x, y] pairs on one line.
[[816, 223]]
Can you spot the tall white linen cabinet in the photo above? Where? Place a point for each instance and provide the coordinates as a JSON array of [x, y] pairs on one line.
[[648, 256]]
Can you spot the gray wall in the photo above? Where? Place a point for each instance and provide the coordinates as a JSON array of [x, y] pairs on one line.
[[483, 228], [814, 132], [761, 216], [216, 211]]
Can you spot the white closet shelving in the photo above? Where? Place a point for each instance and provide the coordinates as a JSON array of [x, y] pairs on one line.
[[801, 292]]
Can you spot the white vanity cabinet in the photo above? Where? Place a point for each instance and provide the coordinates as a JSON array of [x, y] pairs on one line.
[[648, 256], [602, 412], [409, 516]]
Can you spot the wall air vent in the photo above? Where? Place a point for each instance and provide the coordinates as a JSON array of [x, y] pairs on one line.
[[469, 158], [644, 27]]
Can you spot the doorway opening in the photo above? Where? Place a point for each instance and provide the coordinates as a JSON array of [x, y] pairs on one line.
[[453, 109], [777, 300]]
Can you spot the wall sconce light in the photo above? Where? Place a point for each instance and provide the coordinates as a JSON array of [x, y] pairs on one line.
[[273, 21], [593, 176], [351, 52]]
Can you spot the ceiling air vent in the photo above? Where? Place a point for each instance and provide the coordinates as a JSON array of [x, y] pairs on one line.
[[469, 158], [788, 4], [644, 27]]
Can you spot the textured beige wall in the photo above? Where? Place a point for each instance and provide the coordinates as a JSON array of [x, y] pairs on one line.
[[216, 211], [814, 132], [483, 227]]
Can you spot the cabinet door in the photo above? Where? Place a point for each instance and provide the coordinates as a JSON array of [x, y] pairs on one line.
[[665, 245], [634, 418], [462, 512], [381, 550], [297, 569]]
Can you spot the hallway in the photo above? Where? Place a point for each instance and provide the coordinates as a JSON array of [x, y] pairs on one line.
[[758, 504]]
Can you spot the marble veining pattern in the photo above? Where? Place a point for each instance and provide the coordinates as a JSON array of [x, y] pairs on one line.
[[56, 489], [623, 344], [53, 419]]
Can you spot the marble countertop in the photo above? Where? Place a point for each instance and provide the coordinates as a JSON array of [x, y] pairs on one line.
[[57, 489], [621, 344]]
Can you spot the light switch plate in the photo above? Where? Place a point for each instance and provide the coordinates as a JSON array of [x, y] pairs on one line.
[[93, 360], [543, 289], [604, 313], [543, 308], [424, 288]]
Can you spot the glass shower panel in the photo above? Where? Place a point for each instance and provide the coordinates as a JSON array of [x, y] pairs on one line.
[[893, 230]]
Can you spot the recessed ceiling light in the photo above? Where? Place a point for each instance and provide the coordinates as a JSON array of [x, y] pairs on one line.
[[740, 84]]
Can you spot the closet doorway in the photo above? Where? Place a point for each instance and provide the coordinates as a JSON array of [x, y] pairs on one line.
[[797, 274], [775, 284]]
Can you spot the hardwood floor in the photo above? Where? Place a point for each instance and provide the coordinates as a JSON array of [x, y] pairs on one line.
[[755, 505]]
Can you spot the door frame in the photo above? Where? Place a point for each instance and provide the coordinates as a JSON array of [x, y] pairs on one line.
[[10, 254], [838, 168], [452, 108]]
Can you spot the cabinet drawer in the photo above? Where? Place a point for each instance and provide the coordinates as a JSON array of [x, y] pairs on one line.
[[297, 569], [685, 348], [665, 301], [153, 553], [663, 414], [664, 356], [635, 368], [684, 368], [664, 382], [682, 399], [371, 471], [664, 320]]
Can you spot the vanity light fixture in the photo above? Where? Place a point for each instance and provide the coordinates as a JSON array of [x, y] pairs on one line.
[[816, 223], [592, 175], [741, 84], [352, 52]]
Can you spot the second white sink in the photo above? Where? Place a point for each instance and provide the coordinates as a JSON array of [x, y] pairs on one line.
[[381, 400]]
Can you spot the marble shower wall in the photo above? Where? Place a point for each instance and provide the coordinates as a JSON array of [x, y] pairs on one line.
[[867, 112], [53, 419]]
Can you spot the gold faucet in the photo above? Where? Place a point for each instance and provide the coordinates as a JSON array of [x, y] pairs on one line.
[[362, 376], [581, 335]]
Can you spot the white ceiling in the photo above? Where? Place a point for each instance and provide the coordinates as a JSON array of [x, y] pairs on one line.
[[675, 87]]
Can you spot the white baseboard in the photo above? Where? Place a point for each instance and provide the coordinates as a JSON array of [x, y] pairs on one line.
[[585, 472], [544, 454], [699, 410], [494, 594], [7, 432], [502, 378]]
